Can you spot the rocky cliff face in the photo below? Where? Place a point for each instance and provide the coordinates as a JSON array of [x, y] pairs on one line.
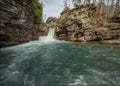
[[17, 22], [51, 22], [80, 24]]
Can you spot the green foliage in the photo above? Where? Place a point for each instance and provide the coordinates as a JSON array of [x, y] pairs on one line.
[[38, 9], [37, 13]]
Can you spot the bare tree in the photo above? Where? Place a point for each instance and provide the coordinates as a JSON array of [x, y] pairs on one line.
[[94, 2], [69, 3], [76, 3], [117, 7], [112, 7], [65, 3], [107, 8], [104, 8], [87, 1]]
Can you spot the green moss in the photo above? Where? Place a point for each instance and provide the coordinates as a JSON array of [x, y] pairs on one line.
[[38, 9]]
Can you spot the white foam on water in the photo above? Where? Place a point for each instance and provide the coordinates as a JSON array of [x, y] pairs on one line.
[[96, 72], [78, 82], [49, 38], [12, 75], [12, 66], [100, 77], [43, 40], [15, 72], [29, 81]]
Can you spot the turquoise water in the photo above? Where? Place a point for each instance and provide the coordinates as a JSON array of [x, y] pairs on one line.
[[59, 64]]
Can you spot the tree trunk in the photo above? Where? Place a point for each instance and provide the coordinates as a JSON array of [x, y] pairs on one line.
[[94, 1], [117, 7]]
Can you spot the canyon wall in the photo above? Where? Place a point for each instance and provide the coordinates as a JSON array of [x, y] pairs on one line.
[[83, 24], [19, 21]]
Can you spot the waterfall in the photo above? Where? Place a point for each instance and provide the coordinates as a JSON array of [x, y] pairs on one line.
[[50, 37], [51, 33]]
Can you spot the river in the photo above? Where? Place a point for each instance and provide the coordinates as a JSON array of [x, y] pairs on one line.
[[58, 63]]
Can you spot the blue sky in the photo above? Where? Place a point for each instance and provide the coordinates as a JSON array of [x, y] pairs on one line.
[[52, 8]]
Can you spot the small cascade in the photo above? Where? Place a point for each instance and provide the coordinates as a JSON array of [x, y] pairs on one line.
[[51, 33], [50, 37]]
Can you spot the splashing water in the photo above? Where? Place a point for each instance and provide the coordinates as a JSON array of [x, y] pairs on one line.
[[50, 37], [51, 33]]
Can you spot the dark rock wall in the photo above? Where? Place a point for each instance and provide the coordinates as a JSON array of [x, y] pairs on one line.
[[17, 23]]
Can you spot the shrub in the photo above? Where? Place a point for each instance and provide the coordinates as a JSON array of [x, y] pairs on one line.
[[38, 9], [37, 13]]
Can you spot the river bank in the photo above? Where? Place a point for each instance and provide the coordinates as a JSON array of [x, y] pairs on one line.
[[101, 43]]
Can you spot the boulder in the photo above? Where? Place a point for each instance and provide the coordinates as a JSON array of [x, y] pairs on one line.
[[43, 27], [51, 21]]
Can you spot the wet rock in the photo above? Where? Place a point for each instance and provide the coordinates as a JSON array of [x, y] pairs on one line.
[[110, 41]]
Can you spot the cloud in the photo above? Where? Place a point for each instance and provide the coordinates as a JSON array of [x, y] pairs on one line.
[[52, 8]]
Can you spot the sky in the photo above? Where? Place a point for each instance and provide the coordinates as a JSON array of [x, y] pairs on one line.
[[52, 8]]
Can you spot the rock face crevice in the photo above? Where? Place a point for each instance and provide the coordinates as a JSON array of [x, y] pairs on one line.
[[82, 24], [17, 22]]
